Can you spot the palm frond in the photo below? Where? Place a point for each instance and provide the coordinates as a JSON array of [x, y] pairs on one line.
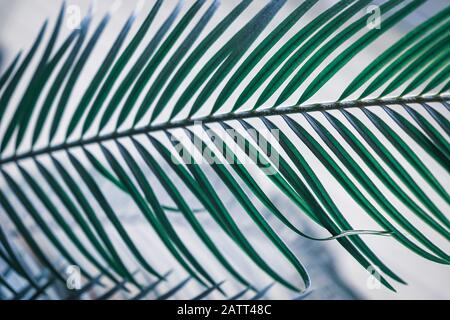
[[143, 104]]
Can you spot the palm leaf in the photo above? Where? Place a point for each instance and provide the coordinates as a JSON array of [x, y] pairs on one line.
[[142, 107]]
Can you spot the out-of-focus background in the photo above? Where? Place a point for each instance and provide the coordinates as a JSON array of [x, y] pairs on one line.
[[335, 275]]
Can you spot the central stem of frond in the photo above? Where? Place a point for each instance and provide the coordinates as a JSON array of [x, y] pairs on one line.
[[223, 117]]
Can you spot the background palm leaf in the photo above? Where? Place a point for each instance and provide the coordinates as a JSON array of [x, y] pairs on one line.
[[144, 101]]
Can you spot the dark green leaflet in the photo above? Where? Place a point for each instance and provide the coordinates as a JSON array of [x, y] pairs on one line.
[[100, 75], [244, 175], [409, 155], [11, 87], [446, 88], [181, 205], [281, 177], [372, 163], [251, 210], [415, 66], [157, 218], [430, 131], [110, 213], [89, 211], [440, 119], [195, 56], [31, 209], [218, 211], [352, 189], [243, 42], [406, 58], [74, 212], [202, 189], [339, 62], [169, 68], [255, 56], [223, 61], [75, 73], [308, 47], [433, 149], [110, 176], [278, 58], [394, 51], [441, 61], [9, 71], [104, 171], [326, 201], [15, 260], [134, 71], [359, 174], [393, 163], [23, 230], [62, 223], [63, 73], [42, 73], [58, 83], [442, 76], [163, 51], [308, 203], [119, 66]]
